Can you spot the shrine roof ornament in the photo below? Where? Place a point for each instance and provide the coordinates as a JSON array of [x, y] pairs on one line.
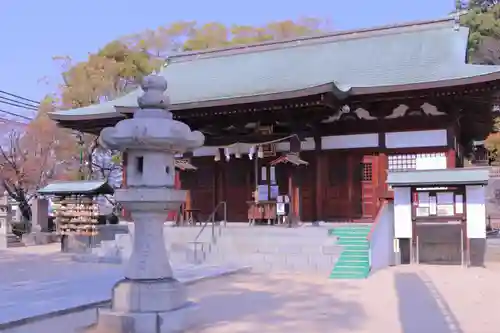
[[418, 55]]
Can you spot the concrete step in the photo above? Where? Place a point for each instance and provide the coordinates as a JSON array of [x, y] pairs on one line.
[[349, 275], [352, 241]]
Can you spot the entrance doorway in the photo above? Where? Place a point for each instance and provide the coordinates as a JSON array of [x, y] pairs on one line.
[[350, 193], [439, 243]]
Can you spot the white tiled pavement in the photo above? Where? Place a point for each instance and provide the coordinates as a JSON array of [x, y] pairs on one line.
[[38, 284]]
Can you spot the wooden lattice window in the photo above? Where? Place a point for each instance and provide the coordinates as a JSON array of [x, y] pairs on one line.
[[407, 162], [366, 172], [402, 162]]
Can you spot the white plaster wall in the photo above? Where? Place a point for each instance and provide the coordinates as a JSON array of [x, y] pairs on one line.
[[350, 141], [431, 161], [205, 151], [476, 212], [402, 212], [410, 139]]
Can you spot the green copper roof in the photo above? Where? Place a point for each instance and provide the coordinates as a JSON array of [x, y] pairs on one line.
[[91, 187], [459, 176], [344, 63]]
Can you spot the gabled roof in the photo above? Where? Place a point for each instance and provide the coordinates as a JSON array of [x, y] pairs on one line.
[[184, 164], [392, 58], [91, 187], [292, 158]]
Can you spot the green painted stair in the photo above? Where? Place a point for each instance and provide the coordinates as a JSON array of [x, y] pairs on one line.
[[354, 261]]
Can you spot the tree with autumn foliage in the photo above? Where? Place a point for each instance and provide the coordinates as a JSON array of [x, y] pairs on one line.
[[119, 67], [32, 155]]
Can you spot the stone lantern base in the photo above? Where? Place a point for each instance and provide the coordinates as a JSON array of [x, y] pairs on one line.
[[157, 306]]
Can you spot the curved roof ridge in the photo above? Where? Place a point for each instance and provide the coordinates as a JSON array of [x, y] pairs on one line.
[[314, 39]]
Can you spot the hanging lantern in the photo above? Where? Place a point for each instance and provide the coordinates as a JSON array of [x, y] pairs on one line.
[[228, 154], [217, 155], [260, 152], [251, 152]]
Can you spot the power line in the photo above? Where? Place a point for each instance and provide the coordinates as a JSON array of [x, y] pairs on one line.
[[19, 97], [18, 104], [16, 115]]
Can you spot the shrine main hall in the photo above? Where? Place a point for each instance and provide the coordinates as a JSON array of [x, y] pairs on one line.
[[321, 119]]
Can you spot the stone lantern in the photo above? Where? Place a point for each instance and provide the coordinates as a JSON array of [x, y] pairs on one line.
[[149, 299]]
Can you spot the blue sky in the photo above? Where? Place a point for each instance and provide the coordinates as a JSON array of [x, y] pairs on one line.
[[32, 31]]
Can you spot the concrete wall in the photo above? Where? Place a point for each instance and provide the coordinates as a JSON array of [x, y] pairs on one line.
[[306, 249], [382, 240]]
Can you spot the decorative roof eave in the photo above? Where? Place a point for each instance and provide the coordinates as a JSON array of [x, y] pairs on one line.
[[83, 115], [463, 81], [119, 112]]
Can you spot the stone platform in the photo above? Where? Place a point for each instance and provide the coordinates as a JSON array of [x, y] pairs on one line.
[[33, 287], [264, 248]]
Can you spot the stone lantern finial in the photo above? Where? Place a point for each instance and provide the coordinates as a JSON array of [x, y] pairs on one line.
[[154, 97]]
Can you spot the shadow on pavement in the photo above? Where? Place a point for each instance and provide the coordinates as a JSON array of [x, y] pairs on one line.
[[421, 308], [285, 306]]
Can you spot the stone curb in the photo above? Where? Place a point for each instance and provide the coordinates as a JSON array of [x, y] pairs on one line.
[[80, 308]]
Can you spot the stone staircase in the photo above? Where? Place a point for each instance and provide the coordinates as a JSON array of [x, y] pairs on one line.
[[354, 260], [305, 249], [264, 248]]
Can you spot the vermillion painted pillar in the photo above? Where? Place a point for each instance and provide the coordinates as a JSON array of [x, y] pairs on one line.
[[189, 200], [451, 158], [319, 186]]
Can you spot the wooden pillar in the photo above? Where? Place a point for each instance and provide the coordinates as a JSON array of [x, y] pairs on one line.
[[189, 203], [451, 159], [124, 169], [383, 166], [221, 176], [319, 185], [215, 183], [294, 186]]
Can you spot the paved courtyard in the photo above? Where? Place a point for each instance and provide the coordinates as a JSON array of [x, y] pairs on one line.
[[407, 299], [400, 300], [39, 280]]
